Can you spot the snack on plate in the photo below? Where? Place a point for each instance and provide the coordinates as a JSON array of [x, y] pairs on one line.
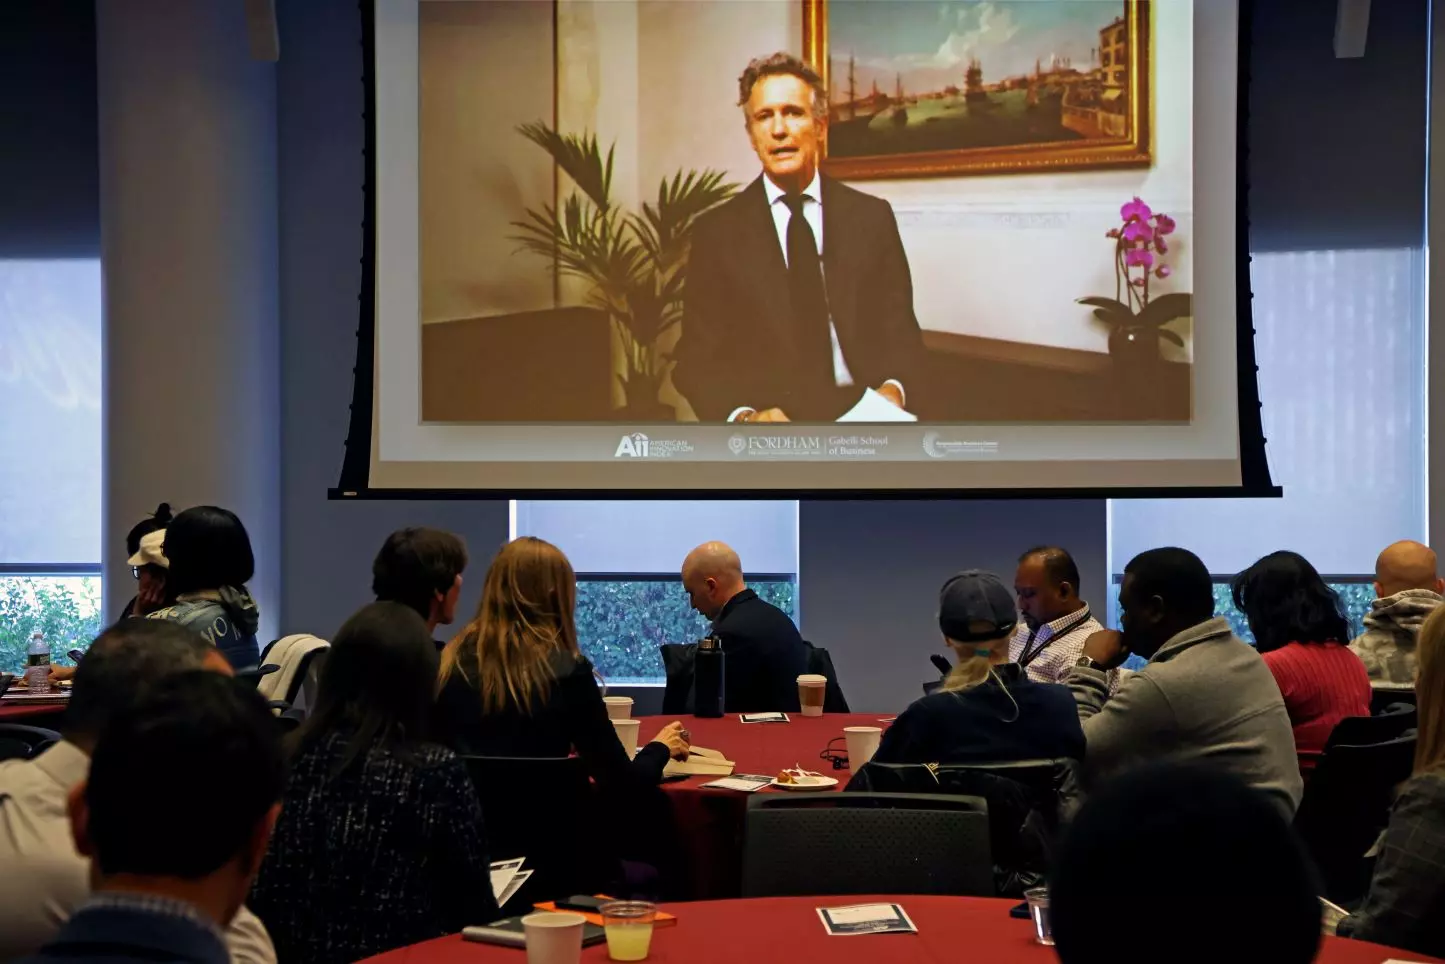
[[797, 775]]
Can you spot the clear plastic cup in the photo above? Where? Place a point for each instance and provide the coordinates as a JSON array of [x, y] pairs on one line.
[[628, 924], [553, 938], [1038, 901]]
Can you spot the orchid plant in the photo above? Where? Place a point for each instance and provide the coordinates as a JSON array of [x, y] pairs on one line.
[[1140, 245]]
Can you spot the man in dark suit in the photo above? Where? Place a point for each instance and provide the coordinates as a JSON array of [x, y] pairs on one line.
[[798, 293], [175, 815], [765, 653]]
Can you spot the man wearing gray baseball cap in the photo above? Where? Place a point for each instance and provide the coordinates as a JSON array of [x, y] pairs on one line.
[[987, 709]]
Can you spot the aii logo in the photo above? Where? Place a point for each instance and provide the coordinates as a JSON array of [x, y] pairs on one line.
[[633, 446], [737, 444]]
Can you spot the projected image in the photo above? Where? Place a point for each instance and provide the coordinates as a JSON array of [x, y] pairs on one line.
[[801, 211]]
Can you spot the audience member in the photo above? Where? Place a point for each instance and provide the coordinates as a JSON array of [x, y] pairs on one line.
[[210, 564], [1056, 620], [421, 568], [984, 711], [380, 843], [1204, 696], [148, 562], [1300, 629], [1407, 590], [183, 789], [44, 878], [514, 682], [1184, 864], [1405, 906], [765, 653]]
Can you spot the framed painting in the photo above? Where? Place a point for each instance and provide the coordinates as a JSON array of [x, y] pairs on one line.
[[920, 88]]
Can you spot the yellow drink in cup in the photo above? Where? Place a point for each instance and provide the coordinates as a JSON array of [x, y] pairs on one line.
[[628, 924]]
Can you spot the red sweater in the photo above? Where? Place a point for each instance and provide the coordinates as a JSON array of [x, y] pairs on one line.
[[1322, 683]]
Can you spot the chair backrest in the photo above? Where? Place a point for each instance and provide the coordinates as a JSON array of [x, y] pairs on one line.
[[866, 843], [1389, 724], [1346, 804], [21, 742], [540, 808], [821, 664], [1029, 801], [295, 659], [678, 663]]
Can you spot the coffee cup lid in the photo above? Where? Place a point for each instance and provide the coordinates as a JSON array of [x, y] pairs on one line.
[[812, 678]]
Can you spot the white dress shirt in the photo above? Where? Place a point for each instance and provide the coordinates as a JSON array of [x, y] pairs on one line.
[[813, 212]]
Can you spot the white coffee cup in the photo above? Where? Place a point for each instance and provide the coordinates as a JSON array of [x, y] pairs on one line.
[[862, 744], [618, 707], [627, 734], [553, 938], [812, 689]]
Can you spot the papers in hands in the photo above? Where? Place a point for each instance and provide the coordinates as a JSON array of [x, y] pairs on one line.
[[873, 407], [763, 717], [746, 782], [866, 919]]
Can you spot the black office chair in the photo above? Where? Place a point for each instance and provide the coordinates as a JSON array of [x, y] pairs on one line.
[[1345, 807], [1029, 802], [1389, 724], [544, 809], [866, 843], [821, 664], [1383, 697], [20, 742], [678, 663]]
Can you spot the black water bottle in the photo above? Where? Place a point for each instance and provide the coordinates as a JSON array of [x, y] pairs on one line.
[[709, 677]]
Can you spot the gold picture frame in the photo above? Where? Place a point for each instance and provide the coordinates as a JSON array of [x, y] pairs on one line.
[[1131, 149]]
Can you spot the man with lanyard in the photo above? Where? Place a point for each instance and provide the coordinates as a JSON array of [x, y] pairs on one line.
[[1056, 621]]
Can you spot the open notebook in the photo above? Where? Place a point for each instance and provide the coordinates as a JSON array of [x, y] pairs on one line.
[[701, 762]]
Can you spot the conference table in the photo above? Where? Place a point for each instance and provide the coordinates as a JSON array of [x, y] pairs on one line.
[[787, 930], [45, 711], [710, 821]]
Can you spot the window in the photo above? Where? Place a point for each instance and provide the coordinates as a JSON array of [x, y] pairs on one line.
[[50, 393], [628, 557]]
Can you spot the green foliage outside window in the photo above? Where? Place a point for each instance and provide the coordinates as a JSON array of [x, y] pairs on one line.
[[65, 608], [621, 623]]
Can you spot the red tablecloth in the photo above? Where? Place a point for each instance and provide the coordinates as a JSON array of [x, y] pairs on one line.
[[787, 930], [710, 822], [48, 714]]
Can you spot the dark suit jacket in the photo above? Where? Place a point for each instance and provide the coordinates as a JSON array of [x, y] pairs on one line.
[[975, 725], [765, 655], [737, 345], [115, 935]]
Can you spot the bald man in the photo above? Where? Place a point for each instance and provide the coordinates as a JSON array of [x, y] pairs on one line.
[[765, 652], [1407, 589]]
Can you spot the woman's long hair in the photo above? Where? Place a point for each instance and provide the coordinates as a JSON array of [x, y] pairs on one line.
[[1286, 601], [207, 548], [377, 685], [529, 602], [1430, 693]]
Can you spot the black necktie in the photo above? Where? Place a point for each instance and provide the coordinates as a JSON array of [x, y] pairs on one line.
[[809, 297]]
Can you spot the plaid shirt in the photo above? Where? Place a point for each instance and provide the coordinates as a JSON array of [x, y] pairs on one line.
[[1405, 907], [1053, 649]]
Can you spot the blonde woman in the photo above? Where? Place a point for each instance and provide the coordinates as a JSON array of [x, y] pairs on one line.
[[515, 683], [1405, 907], [987, 709]]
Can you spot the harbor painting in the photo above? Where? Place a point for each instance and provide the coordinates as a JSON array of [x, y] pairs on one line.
[[957, 87]]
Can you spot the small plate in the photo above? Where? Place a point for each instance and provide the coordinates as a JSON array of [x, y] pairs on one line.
[[814, 783]]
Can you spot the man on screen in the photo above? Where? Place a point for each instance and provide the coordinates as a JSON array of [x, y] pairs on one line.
[[798, 293]]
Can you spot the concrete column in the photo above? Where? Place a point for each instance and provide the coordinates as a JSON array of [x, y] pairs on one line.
[[189, 243]]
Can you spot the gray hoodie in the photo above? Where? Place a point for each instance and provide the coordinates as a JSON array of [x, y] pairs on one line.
[[1205, 697], [1387, 646], [226, 617]]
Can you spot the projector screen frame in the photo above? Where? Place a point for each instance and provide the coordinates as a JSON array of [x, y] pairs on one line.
[[354, 481]]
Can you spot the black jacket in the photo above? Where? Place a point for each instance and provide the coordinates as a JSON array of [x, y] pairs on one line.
[[571, 716], [737, 345], [765, 655], [972, 726]]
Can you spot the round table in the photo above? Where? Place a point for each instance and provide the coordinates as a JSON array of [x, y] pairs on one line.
[[46, 711], [787, 930], [710, 822]]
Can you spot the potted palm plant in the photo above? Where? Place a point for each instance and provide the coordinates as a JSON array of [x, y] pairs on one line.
[[634, 260]]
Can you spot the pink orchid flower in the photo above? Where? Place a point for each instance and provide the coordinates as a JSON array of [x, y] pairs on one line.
[[1163, 271], [1138, 231], [1135, 210], [1163, 224], [1139, 257]]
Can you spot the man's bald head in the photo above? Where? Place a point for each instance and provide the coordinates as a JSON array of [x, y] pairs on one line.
[[1406, 565], [712, 574]]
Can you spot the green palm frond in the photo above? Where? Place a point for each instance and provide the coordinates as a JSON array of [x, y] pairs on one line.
[[580, 157]]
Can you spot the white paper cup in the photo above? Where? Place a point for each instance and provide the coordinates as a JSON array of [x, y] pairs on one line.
[[811, 691], [618, 707], [553, 938], [627, 734], [862, 744]]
